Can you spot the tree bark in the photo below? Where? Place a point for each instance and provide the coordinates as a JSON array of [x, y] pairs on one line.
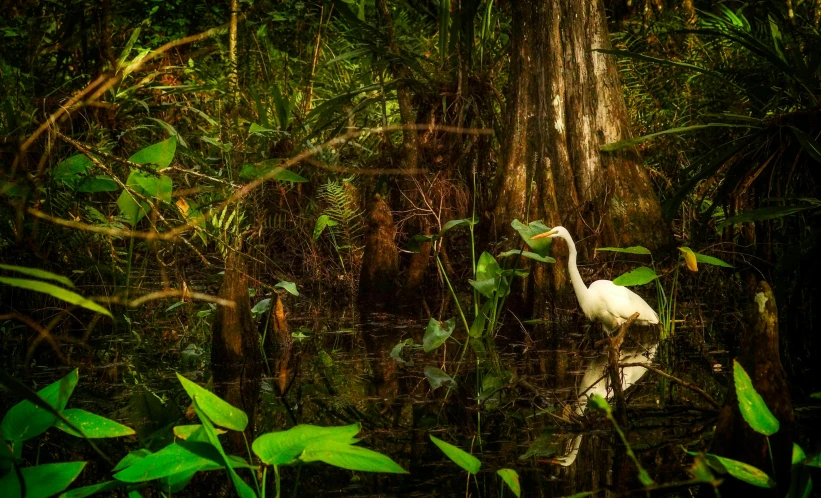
[[564, 102], [232, 48]]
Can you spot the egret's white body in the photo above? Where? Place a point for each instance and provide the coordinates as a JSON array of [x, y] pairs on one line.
[[611, 305], [603, 301]]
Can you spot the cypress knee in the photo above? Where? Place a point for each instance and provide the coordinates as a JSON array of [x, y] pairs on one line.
[[734, 438], [236, 361], [278, 344], [380, 262]]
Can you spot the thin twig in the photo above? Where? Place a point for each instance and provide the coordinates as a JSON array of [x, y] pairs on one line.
[[678, 381]]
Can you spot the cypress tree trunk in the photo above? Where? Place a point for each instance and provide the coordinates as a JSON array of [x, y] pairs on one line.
[[564, 102]]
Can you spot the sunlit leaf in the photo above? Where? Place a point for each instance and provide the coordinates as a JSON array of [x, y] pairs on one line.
[[740, 470], [321, 223], [458, 455], [626, 250], [709, 260], [600, 403], [93, 489], [437, 333], [511, 478], [622, 144], [689, 258], [283, 448], [219, 411], [42, 481], [160, 154], [456, 223], [751, 404], [527, 232], [38, 273], [528, 255], [55, 292], [288, 286], [25, 420], [640, 276], [92, 425], [437, 378], [347, 456], [132, 210], [173, 459]]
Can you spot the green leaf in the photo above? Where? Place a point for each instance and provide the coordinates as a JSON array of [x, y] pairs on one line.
[[457, 455], [219, 411], [751, 405], [283, 448], [627, 250], [159, 187], [173, 459], [99, 183], [55, 292], [131, 459], [487, 267], [255, 128], [527, 254], [132, 211], [72, 171], [600, 403], [42, 481], [814, 461], [477, 328], [527, 232], [437, 333], [321, 223], [740, 470], [639, 276], [457, 223], [765, 213], [623, 144], [266, 168], [511, 478], [25, 420], [349, 457], [93, 489], [261, 307], [38, 273], [92, 425], [810, 145], [709, 260], [186, 432], [160, 154], [437, 378], [661, 62], [485, 287], [288, 286]]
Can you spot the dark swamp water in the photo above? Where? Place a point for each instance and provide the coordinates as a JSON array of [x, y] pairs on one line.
[[513, 408]]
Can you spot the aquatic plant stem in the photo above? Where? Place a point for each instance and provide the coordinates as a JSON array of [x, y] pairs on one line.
[[276, 473], [453, 294], [264, 480]]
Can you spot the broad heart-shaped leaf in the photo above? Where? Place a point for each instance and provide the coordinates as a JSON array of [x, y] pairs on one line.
[[528, 255], [709, 260], [158, 187], [457, 223], [348, 456], [740, 470], [130, 209], [283, 448], [55, 292], [457, 455], [25, 420], [92, 425], [219, 411], [487, 267], [527, 232], [42, 481], [639, 276], [689, 258], [38, 273], [626, 250], [485, 287], [173, 459], [437, 333], [261, 307], [321, 223], [438, 378], [288, 286], [160, 154], [751, 405], [511, 478]]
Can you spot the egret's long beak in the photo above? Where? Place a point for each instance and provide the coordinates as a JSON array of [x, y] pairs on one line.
[[544, 235]]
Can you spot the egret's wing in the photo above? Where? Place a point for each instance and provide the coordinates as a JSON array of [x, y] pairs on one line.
[[621, 302]]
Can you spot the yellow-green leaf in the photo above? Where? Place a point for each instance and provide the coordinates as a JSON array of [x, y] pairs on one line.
[[751, 404]]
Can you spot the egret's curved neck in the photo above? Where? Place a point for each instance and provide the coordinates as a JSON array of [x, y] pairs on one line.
[[575, 276]]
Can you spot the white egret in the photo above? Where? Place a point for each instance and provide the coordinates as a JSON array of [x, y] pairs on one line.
[[603, 301]]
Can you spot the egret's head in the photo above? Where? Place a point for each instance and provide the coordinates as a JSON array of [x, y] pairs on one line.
[[560, 232]]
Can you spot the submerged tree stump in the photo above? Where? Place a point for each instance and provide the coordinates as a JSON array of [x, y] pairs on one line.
[[236, 361], [278, 344], [380, 262], [734, 438]]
